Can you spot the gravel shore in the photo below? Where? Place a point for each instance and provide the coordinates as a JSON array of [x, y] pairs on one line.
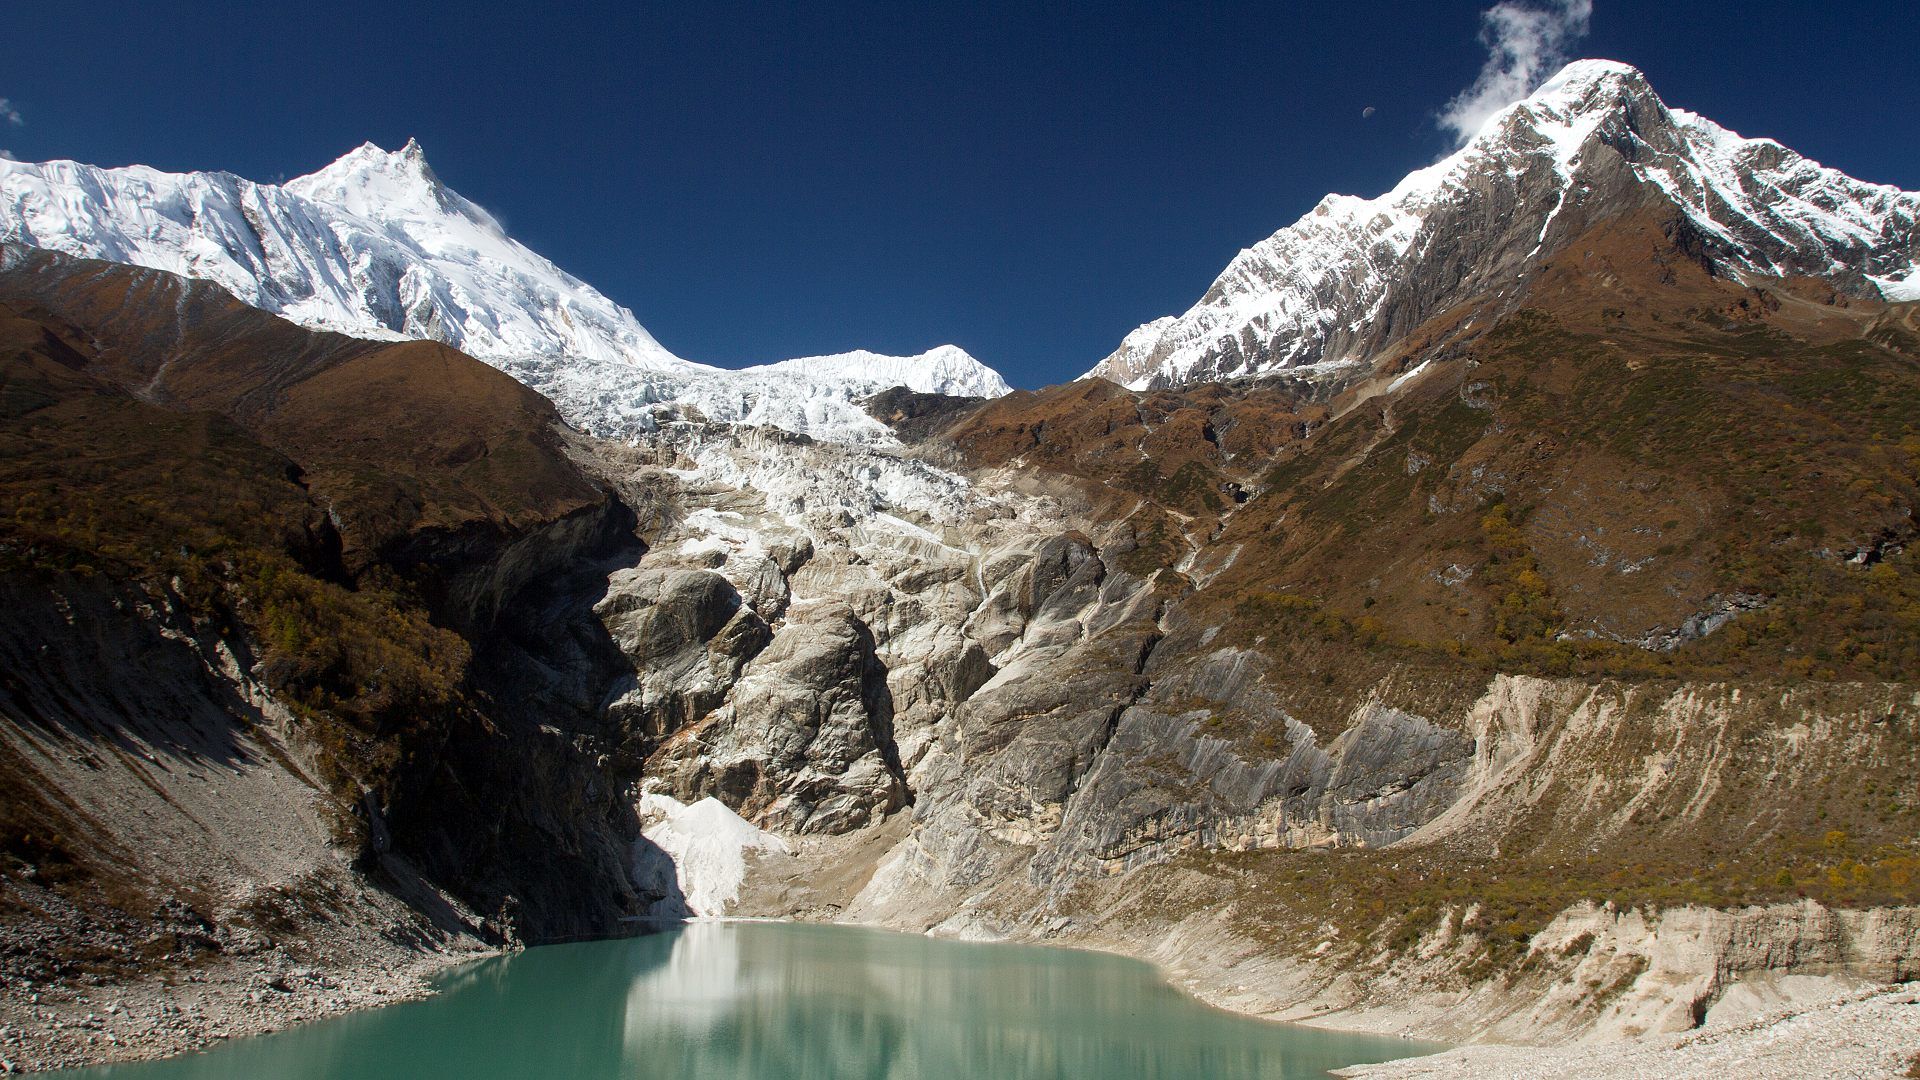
[[57, 1027], [1866, 1036], [1873, 1035]]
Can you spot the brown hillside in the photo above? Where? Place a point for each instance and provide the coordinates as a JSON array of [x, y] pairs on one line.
[[393, 438], [1637, 451], [193, 493], [1185, 449]]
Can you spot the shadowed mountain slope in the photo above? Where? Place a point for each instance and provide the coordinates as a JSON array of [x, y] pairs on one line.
[[258, 584]]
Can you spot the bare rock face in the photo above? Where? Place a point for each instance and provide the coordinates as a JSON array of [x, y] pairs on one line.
[[805, 741], [688, 633], [1096, 748], [1164, 786], [797, 631], [1005, 676]]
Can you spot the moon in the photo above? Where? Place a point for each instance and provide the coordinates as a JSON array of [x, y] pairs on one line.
[[1366, 113]]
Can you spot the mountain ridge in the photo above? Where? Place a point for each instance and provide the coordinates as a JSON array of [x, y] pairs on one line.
[[375, 245], [1321, 297]]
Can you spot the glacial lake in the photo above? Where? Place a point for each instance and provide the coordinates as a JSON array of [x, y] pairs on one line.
[[777, 1001]]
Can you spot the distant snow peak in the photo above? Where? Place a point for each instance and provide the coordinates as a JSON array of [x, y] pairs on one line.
[[1353, 275], [372, 245], [375, 245], [943, 369], [816, 396]]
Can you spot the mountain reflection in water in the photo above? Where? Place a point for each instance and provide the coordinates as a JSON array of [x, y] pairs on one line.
[[746, 1001]]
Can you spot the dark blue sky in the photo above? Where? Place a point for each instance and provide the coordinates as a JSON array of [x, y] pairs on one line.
[[1027, 180]]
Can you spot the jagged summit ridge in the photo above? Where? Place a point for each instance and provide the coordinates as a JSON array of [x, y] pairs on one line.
[[372, 245], [375, 245], [377, 183], [1352, 275]]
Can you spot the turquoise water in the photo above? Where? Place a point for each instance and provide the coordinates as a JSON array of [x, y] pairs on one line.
[[774, 1001]]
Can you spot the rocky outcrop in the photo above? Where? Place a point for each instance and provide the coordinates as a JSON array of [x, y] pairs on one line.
[[1699, 965], [915, 417], [687, 633], [1596, 975], [1164, 787], [805, 741]]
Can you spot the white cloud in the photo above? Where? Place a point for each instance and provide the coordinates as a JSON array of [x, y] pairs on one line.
[[10, 114], [1525, 43]]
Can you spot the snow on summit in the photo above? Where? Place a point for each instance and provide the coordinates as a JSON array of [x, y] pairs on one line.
[[372, 245], [1323, 294], [376, 183], [376, 246]]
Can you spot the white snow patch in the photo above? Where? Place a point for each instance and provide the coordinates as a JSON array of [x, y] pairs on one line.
[[705, 545], [708, 843], [1409, 376], [1899, 289]]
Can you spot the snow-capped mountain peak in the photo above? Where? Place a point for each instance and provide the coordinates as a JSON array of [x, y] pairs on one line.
[[372, 245], [376, 183], [376, 245], [943, 369], [1353, 275], [817, 396]]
